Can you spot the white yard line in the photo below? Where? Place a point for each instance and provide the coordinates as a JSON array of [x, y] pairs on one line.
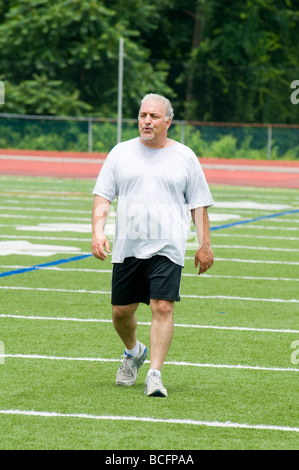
[[177, 325], [243, 235], [84, 291], [109, 271], [214, 234], [188, 422], [170, 363], [42, 209], [246, 247], [261, 261]]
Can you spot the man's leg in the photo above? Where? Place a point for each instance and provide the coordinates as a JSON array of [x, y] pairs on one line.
[[125, 323], [161, 335], [161, 332]]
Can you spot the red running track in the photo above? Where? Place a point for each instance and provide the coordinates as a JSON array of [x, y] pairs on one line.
[[263, 173]]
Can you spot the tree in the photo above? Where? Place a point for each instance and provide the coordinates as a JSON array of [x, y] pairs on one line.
[[241, 66], [61, 57]]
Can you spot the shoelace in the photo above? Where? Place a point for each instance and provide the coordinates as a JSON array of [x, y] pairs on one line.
[[125, 366], [156, 379]]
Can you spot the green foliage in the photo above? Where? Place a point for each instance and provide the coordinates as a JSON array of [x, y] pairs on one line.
[[69, 49], [243, 62], [218, 60]]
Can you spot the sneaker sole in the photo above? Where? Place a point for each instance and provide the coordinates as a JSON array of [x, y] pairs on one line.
[[157, 393]]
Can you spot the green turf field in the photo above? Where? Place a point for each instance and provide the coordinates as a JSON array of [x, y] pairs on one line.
[[232, 370]]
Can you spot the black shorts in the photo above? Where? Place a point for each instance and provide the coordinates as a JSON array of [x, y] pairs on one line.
[[139, 280]]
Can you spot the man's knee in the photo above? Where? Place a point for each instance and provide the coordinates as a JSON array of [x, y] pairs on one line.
[[122, 311], [162, 307]]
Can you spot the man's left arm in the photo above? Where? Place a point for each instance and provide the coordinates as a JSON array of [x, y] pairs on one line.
[[204, 257]]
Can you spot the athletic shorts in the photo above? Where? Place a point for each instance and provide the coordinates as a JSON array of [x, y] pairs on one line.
[[139, 280]]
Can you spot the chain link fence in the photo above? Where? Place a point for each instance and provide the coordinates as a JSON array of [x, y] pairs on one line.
[[94, 134]]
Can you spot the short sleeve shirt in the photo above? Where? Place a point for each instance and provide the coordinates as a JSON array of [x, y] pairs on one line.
[[155, 191]]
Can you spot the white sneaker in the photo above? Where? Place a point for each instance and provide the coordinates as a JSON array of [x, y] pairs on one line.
[[127, 373], [154, 386]]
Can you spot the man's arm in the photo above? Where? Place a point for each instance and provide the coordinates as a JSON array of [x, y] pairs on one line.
[[204, 257], [100, 211]]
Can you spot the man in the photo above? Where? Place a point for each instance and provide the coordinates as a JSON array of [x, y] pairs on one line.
[[157, 181]]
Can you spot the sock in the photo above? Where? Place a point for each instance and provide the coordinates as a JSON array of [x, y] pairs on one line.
[[133, 352], [155, 372]]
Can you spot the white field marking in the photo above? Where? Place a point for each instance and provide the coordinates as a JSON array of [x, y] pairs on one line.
[[41, 209], [213, 216], [169, 363], [215, 234], [244, 247], [221, 276], [44, 217], [48, 192], [37, 202], [23, 247], [35, 237], [226, 297], [241, 205], [220, 195], [243, 235], [73, 291], [251, 278], [84, 228], [58, 227], [84, 291], [286, 221], [214, 424], [40, 196], [250, 205], [261, 261], [223, 195], [177, 325], [66, 227], [267, 227]]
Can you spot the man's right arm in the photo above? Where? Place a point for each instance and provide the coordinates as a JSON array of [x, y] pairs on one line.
[[100, 211]]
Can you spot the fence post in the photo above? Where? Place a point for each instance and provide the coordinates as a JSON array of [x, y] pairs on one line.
[[2, 93], [269, 142], [183, 128]]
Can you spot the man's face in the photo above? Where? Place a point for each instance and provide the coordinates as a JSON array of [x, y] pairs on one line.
[[152, 125]]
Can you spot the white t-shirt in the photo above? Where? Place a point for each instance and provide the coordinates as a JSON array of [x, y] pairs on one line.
[[155, 190]]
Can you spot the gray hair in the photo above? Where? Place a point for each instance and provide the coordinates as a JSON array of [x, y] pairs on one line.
[[169, 109]]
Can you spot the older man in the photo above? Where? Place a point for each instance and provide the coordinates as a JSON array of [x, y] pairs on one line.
[[157, 182]]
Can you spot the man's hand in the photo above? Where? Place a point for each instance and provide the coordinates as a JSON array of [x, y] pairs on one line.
[[97, 247], [204, 258], [100, 211]]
